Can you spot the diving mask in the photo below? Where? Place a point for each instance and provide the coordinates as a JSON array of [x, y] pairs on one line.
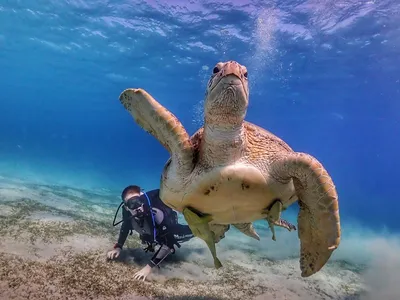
[[134, 205], [137, 206], [134, 202]]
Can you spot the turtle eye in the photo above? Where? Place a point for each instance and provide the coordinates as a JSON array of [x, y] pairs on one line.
[[215, 70], [246, 74]]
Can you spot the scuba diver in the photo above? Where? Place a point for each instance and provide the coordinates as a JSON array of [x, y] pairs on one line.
[[156, 223]]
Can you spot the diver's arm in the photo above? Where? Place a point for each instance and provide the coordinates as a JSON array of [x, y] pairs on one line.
[[124, 231], [166, 249], [160, 255], [156, 260]]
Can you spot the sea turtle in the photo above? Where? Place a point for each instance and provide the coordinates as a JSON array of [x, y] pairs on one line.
[[234, 172]]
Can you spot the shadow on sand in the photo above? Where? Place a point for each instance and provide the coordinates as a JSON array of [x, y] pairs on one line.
[[190, 298], [141, 258]]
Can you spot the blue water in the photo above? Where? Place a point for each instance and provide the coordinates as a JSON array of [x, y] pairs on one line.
[[324, 76]]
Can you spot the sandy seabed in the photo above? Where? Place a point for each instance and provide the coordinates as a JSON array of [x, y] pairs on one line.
[[54, 240]]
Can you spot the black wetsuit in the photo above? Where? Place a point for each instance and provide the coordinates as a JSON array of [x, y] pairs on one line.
[[168, 233]]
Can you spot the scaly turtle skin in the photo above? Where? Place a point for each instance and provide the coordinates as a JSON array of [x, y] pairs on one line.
[[232, 172]]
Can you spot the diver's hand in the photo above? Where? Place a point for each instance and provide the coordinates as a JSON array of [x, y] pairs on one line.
[[143, 273], [113, 253]]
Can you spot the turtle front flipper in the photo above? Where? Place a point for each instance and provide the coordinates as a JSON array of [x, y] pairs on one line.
[[201, 229], [318, 220], [162, 124]]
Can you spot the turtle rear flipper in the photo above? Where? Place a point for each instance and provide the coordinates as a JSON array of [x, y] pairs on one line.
[[247, 229], [201, 229], [219, 231], [318, 220], [162, 124], [273, 217]]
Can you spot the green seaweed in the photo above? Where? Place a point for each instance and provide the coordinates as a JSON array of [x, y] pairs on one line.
[[18, 221]]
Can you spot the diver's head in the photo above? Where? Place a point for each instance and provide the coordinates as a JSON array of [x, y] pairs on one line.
[[132, 200], [130, 192]]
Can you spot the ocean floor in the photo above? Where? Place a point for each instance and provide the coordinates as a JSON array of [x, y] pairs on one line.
[[54, 240]]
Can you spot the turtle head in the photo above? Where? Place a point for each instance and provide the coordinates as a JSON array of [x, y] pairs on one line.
[[227, 94]]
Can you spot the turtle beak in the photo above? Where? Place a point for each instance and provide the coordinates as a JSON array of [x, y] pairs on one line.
[[231, 76], [231, 73]]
